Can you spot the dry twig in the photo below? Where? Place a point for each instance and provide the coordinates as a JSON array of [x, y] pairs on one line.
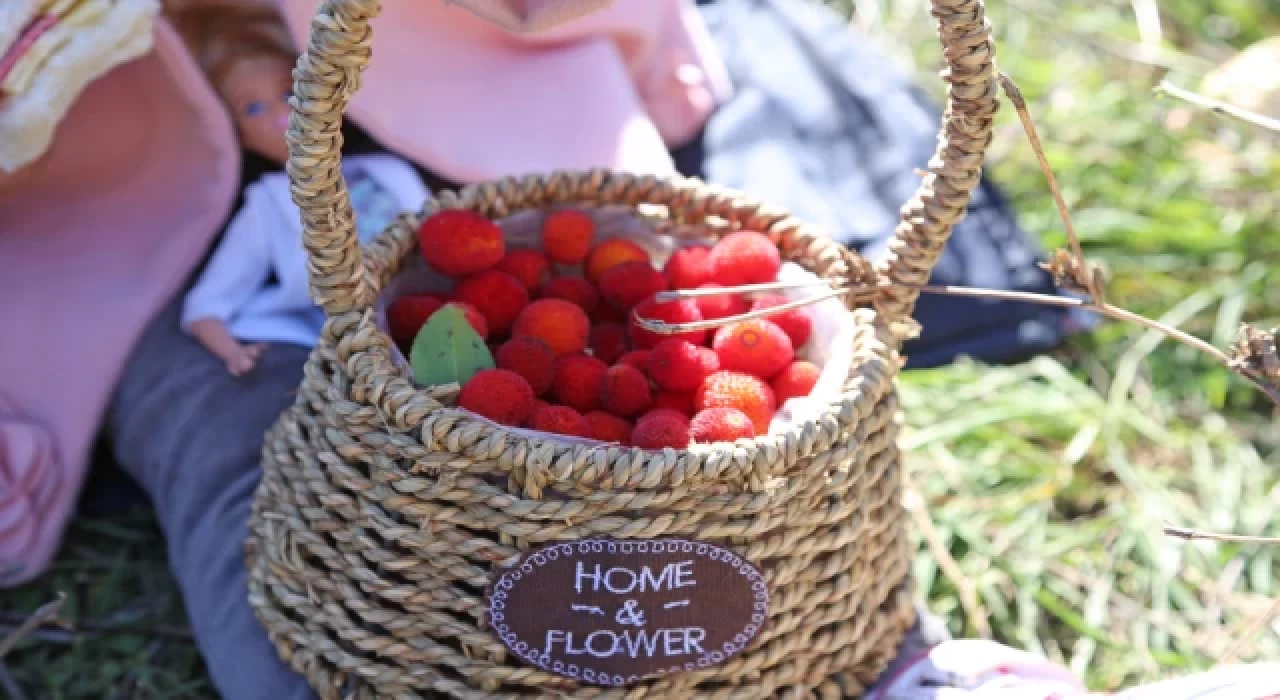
[[1186, 533], [43, 614], [1218, 107]]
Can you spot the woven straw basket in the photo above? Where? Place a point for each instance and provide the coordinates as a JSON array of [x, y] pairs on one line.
[[384, 512]]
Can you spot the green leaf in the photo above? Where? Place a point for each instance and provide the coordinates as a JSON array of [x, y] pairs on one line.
[[447, 349]]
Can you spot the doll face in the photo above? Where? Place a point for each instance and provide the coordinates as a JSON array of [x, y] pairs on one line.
[[257, 90]]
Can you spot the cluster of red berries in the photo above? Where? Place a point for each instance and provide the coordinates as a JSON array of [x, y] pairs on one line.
[[570, 357]]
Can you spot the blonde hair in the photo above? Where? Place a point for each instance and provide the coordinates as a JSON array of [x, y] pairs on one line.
[[221, 36]]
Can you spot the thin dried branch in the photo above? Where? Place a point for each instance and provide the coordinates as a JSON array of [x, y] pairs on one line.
[[1218, 107], [43, 614], [1186, 533], [967, 590]]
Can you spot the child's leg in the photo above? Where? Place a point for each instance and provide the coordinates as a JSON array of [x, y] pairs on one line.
[[191, 434]]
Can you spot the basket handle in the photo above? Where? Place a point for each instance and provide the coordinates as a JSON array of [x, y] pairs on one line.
[[338, 49]]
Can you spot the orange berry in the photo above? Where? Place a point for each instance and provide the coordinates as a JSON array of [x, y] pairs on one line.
[[614, 251], [566, 235], [562, 325], [757, 347], [457, 242], [726, 389]]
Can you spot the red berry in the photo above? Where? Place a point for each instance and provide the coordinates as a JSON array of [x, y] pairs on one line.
[[499, 297], [678, 365], [608, 341], [406, 315], [457, 242], [721, 425], [798, 379], [577, 382], [688, 268], [529, 266], [681, 311], [796, 323], [757, 347], [607, 427], [661, 429], [561, 420], [721, 305], [625, 391], [636, 358], [530, 358], [500, 395], [574, 289], [679, 401], [744, 257], [566, 235], [630, 283], [607, 254]]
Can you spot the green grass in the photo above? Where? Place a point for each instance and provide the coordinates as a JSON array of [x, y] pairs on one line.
[[1048, 483]]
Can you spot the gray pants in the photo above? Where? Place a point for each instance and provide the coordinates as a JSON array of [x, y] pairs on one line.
[[191, 435]]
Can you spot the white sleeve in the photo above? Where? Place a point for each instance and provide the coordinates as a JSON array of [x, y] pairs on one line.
[[237, 271]]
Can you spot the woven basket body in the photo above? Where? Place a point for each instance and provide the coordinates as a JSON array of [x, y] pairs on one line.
[[383, 511]]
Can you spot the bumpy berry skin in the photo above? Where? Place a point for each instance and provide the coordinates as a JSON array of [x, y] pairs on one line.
[[757, 347], [744, 257], [660, 429], [614, 251], [577, 382], [566, 236], [688, 268], [561, 324], [406, 315], [623, 286], [721, 425], [561, 420], [498, 296], [797, 379], [636, 358], [624, 391], [607, 427], [678, 365], [751, 395], [530, 358], [500, 395], [679, 401], [574, 289], [721, 305], [529, 266], [682, 311], [608, 342], [457, 243], [796, 323]]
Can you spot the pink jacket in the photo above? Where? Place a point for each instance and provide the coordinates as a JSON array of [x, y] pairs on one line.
[[143, 172]]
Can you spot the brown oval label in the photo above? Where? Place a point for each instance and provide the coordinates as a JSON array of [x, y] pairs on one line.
[[614, 612]]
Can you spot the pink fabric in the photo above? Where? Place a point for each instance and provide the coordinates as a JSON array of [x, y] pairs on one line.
[[451, 89], [93, 242]]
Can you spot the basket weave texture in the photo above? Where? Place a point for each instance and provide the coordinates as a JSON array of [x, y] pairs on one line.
[[383, 511]]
